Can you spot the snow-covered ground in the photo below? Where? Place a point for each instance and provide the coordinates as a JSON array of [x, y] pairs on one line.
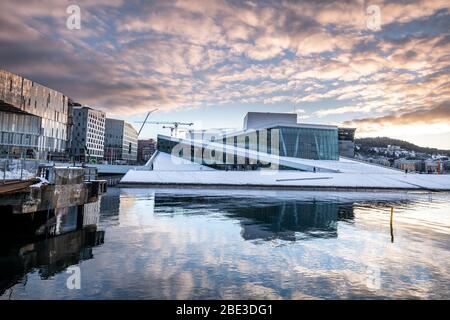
[[164, 161], [41, 182], [286, 178], [345, 173]]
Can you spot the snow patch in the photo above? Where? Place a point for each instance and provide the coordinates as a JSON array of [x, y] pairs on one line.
[[41, 182], [16, 174]]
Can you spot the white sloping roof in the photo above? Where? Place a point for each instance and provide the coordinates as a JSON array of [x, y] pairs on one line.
[[342, 166], [165, 162]]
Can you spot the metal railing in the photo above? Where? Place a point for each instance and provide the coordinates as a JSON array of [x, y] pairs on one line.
[[24, 169]]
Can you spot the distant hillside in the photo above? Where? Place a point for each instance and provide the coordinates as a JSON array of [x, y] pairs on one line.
[[382, 142]]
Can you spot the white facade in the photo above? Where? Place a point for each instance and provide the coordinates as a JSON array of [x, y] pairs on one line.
[[88, 134]]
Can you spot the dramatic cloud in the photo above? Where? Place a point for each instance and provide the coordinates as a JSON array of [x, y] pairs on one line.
[[321, 55], [432, 115]]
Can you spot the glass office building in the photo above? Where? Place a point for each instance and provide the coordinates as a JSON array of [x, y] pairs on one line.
[[120, 142], [34, 118]]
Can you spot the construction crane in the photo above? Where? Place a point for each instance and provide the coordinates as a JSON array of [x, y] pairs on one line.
[[143, 123], [175, 124], [171, 129]]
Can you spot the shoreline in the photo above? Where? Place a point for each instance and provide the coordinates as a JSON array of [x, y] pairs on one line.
[[271, 187]]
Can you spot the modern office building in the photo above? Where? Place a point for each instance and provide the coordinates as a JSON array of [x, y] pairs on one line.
[[146, 148], [34, 120], [88, 134], [120, 142]]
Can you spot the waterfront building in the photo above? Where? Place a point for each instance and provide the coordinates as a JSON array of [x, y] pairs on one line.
[[88, 134], [263, 135], [34, 119], [120, 142], [272, 151], [146, 148]]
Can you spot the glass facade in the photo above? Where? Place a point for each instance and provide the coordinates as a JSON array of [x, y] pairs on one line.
[[129, 146], [120, 141], [19, 134], [317, 143], [23, 96], [307, 142]]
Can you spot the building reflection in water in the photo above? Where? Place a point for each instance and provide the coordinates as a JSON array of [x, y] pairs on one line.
[[265, 219], [110, 206], [47, 242], [292, 220]]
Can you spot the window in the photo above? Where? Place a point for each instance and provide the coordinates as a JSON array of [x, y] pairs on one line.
[[10, 85]]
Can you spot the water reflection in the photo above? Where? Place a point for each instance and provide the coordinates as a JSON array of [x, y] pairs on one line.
[[47, 242], [267, 218], [225, 244], [291, 220], [110, 206]]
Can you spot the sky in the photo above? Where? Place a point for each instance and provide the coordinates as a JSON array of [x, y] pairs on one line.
[[380, 66]]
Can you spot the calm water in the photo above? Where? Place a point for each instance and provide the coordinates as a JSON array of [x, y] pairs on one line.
[[179, 244]]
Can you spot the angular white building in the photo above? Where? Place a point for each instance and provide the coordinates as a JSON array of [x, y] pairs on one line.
[[273, 150]]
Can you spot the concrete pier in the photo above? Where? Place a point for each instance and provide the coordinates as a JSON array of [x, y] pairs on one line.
[[58, 188]]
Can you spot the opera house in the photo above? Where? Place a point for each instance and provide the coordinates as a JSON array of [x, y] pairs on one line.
[[272, 150]]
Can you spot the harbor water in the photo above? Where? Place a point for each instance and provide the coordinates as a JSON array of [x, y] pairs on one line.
[[234, 244]]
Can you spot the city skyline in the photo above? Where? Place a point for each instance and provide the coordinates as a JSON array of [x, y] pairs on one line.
[[211, 63]]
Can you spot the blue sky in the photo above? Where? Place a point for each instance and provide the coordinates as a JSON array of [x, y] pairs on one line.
[[210, 62]]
